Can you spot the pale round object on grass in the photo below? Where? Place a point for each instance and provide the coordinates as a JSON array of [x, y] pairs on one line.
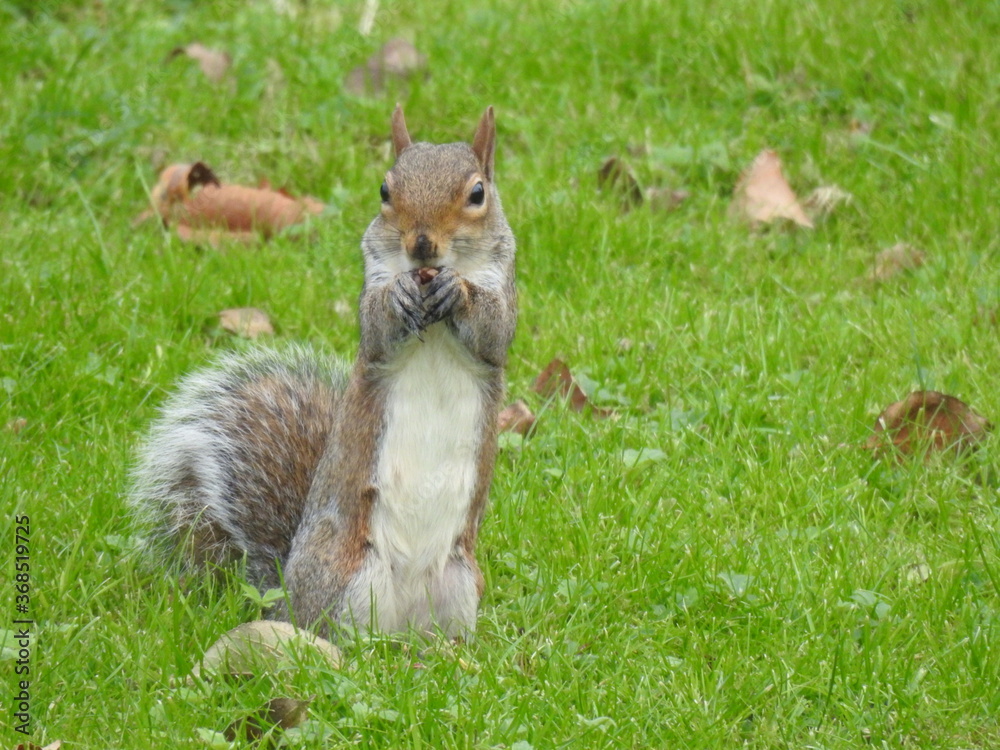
[[247, 322], [248, 647]]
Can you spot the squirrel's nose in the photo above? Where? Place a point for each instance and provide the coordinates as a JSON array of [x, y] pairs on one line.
[[424, 248]]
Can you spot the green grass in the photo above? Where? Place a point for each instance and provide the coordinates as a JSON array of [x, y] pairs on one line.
[[761, 584]]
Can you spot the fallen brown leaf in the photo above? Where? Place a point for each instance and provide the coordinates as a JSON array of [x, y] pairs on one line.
[[556, 379], [283, 713], [639, 150], [924, 422], [173, 187], [860, 127], [246, 322], [191, 198], [215, 237], [177, 182], [287, 712], [665, 199], [367, 21], [986, 316], [442, 650], [244, 209], [16, 425], [824, 200], [397, 60], [274, 80], [213, 63], [895, 260], [918, 573], [313, 205], [516, 417], [615, 176], [762, 195]]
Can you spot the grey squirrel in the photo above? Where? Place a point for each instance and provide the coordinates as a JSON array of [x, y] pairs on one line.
[[366, 487]]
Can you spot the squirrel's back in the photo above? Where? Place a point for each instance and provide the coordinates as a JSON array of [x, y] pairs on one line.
[[226, 469]]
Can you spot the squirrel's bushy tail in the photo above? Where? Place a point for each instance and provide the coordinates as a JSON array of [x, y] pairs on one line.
[[225, 471]]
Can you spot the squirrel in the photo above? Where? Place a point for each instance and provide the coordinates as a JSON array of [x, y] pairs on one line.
[[362, 490]]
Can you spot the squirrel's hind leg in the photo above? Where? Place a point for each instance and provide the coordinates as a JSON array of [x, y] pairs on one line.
[[225, 471], [454, 595]]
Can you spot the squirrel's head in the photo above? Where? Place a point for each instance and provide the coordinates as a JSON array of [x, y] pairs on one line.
[[440, 198]]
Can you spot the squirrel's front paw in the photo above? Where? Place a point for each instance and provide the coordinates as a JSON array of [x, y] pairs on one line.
[[407, 304], [443, 294]]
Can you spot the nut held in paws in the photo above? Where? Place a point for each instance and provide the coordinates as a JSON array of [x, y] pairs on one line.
[[427, 274]]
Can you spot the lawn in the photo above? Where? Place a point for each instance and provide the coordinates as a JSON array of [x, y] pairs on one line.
[[719, 564]]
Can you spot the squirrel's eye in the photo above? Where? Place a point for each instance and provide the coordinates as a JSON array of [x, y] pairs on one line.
[[384, 192], [478, 195]]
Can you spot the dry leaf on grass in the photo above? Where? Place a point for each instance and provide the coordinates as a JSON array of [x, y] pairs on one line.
[[895, 260], [517, 417], [615, 176], [215, 237], [244, 209], [441, 650], [275, 81], [918, 573], [860, 127], [396, 60], [665, 199], [824, 200], [283, 713], [762, 195], [177, 183], [367, 20], [16, 425], [556, 379], [246, 322], [213, 63], [986, 316], [191, 198], [924, 422], [262, 643]]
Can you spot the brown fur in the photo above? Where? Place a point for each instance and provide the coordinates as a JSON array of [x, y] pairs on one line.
[[291, 424], [330, 545]]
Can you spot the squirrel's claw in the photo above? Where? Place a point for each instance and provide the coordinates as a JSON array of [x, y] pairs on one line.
[[407, 305], [443, 294]]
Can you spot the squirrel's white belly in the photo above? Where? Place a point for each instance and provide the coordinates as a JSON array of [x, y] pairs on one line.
[[426, 473]]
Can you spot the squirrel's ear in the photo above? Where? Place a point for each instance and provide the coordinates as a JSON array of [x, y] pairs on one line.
[[484, 142], [400, 137]]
